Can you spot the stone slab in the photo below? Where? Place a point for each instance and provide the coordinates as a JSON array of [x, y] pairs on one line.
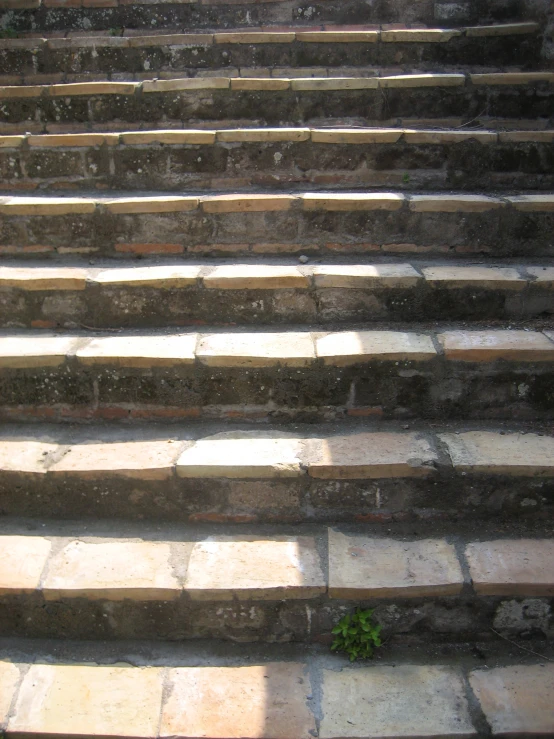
[[139, 351], [351, 347], [22, 560], [287, 349], [514, 567]]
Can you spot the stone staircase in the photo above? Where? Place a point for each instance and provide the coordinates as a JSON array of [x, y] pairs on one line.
[[276, 342]]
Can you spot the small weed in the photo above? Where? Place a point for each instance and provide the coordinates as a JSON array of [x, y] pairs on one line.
[[8, 33], [405, 178], [115, 32], [357, 635]]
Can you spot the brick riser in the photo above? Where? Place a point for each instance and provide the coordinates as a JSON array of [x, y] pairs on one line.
[[467, 166], [56, 15], [279, 107], [504, 232], [107, 61]]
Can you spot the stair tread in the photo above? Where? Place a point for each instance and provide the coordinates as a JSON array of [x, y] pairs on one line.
[[390, 452], [258, 566], [273, 696]]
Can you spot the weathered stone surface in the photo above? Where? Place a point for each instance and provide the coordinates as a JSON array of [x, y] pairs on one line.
[[139, 351], [393, 702], [22, 352], [289, 349], [516, 700], [423, 80], [515, 567], [254, 277], [168, 137], [488, 346], [448, 137], [511, 78], [356, 135], [259, 83], [26, 454], [334, 83], [73, 139], [152, 204], [502, 278], [503, 29], [234, 135], [366, 276], [254, 568], [9, 677], [246, 203], [350, 347], [544, 278], [78, 700], [352, 201], [112, 571], [257, 454], [93, 88], [370, 455], [187, 83], [45, 206], [454, 203], [528, 455], [144, 460], [338, 36], [362, 567], [22, 560], [254, 702], [420, 35], [540, 203]]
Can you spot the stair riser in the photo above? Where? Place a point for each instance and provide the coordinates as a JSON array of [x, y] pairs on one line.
[[503, 233], [103, 60], [291, 107], [462, 166], [108, 307], [256, 14], [443, 495], [434, 389], [413, 620]]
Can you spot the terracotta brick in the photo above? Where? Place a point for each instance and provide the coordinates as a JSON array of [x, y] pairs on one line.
[[142, 460], [40, 206], [366, 276], [488, 346], [20, 352], [9, 677], [363, 567], [420, 35], [248, 203], [152, 204], [175, 276], [287, 349], [187, 83], [254, 37], [259, 83], [253, 277], [337, 37], [352, 201], [500, 278], [263, 134], [514, 567], [79, 700], [356, 135], [43, 278], [258, 454], [503, 29], [371, 455], [22, 560], [267, 701], [423, 80], [532, 203], [516, 700], [544, 277], [454, 203], [150, 248], [93, 88], [74, 139], [511, 78], [383, 702], [254, 568], [449, 137], [115, 570], [351, 347], [490, 452], [139, 351]]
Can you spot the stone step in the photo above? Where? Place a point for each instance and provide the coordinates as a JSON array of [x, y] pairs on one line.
[[294, 587], [32, 58], [277, 223], [278, 374], [280, 158], [166, 689], [525, 95], [27, 15], [153, 295], [381, 473]]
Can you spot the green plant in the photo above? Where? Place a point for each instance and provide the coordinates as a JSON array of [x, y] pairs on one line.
[[357, 635], [405, 178], [8, 33]]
